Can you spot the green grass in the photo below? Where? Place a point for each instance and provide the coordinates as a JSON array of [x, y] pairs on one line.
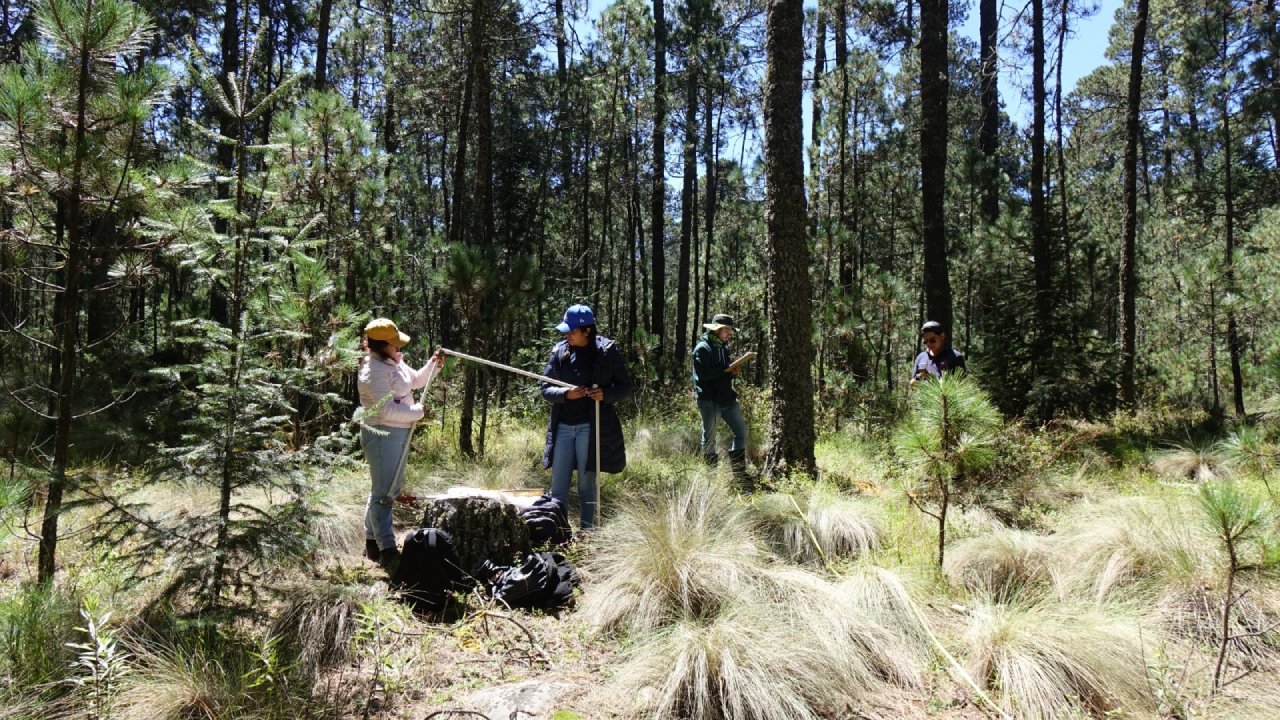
[[36, 623]]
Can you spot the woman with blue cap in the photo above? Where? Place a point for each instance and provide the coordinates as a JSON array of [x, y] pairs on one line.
[[595, 368]]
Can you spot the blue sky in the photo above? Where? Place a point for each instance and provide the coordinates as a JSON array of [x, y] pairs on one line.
[[1086, 50]]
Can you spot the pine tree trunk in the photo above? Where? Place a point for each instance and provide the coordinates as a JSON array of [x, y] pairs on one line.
[[1228, 190], [989, 133], [322, 44], [710, 160], [658, 199], [934, 84], [789, 285], [687, 209], [1128, 252], [1040, 244]]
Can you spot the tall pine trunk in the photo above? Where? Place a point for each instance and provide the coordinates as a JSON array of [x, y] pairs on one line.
[[479, 219], [658, 198], [1228, 191], [1128, 247], [1040, 244], [989, 132], [934, 86], [687, 209], [790, 289]]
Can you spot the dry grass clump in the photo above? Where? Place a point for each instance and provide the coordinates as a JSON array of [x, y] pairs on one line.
[[888, 634], [171, 502], [336, 520], [170, 681], [1041, 660], [722, 630], [744, 663], [875, 644], [1000, 563], [659, 561], [1196, 462], [664, 440], [317, 624], [1134, 545], [820, 525]]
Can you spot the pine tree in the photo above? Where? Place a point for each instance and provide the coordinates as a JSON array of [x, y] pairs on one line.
[[73, 121], [238, 391], [947, 438]]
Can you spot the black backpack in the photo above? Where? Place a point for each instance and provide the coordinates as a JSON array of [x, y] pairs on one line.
[[430, 571], [548, 521], [543, 581]]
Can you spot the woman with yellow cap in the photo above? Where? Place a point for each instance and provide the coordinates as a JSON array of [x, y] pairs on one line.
[[386, 386]]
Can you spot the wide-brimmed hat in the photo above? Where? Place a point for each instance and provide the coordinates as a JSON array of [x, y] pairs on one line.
[[386, 331], [575, 317], [719, 320]]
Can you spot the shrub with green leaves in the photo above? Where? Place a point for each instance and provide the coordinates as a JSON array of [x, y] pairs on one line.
[[37, 627]]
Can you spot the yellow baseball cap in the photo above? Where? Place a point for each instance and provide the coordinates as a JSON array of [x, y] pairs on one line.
[[385, 330]]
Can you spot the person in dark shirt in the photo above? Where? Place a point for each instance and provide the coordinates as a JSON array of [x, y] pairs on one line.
[[717, 400], [937, 357], [598, 372]]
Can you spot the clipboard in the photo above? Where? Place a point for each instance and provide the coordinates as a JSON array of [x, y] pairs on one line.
[[740, 361]]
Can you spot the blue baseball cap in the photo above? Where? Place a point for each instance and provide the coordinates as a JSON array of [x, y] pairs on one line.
[[575, 317]]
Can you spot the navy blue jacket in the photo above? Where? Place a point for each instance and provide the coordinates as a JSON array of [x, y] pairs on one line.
[[609, 373]]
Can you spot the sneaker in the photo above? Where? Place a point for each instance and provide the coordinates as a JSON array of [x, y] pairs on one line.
[[371, 550], [389, 559]]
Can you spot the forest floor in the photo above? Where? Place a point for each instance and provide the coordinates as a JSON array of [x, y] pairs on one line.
[[1035, 513]]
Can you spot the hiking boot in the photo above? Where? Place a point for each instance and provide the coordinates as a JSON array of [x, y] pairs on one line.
[[738, 463], [711, 459], [371, 550], [389, 559]]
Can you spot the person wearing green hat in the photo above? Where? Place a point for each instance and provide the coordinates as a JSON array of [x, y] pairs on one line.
[[713, 382], [386, 384]]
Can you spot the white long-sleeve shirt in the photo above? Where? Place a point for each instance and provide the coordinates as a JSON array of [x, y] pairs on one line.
[[379, 377]]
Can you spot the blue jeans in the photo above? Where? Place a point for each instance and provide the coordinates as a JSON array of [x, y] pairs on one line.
[[383, 453], [732, 415], [569, 452]]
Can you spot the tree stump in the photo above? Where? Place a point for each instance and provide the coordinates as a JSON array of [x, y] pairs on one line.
[[482, 529]]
